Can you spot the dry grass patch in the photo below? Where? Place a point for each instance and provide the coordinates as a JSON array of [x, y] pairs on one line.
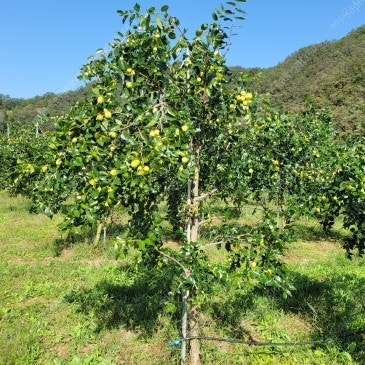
[[294, 325], [304, 252]]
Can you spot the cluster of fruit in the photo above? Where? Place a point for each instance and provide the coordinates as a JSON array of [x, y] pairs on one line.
[[244, 97]]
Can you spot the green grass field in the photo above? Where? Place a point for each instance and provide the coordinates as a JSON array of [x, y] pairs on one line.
[[71, 303]]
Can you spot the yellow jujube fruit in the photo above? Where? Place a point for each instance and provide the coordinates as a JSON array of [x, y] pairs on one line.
[[129, 71], [93, 181], [154, 133], [107, 114], [140, 170], [135, 163]]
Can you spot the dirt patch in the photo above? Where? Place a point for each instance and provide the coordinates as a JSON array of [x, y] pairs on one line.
[[294, 326], [173, 245], [87, 348], [93, 262], [61, 350], [39, 300], [28, 261], [65, 254], [20, 261]]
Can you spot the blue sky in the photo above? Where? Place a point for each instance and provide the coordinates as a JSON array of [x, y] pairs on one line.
[[45, 42]]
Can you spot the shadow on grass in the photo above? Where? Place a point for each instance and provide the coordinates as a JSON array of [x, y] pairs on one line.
[[316, 233], [333, 303], [135, 302], [85, 235], [334, 306]]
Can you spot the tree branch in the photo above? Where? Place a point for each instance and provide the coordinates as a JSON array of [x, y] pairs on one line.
[[209, 220], [229, 239], [203, 196], [185, 270], [203, 247]]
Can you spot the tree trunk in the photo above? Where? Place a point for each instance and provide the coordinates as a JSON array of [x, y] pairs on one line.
[[194, 343], [98, 233], [194, 234]]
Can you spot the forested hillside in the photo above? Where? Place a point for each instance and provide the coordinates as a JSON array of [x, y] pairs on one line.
[[16, 112], [329, 74]]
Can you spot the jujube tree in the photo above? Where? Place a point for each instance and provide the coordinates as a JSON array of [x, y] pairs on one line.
[[162, 115]]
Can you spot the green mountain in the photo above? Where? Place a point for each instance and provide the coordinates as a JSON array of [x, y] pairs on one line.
[[329, 74], [20, 113]]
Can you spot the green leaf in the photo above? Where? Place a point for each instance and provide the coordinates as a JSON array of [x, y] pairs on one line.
[[151, 123], [158, 22], [351, 348], [147, 21], [78, 161], [165, 8]]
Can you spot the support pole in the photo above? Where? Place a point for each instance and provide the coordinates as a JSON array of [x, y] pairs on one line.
[[184, 326], [104, 234]]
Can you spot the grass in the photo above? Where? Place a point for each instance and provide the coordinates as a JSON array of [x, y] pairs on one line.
[[67, 302]]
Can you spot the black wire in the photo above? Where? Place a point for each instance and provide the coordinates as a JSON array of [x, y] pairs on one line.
[[257, 343], [254, 343]]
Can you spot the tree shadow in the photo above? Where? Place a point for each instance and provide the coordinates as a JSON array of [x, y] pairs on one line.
[[85, 235], [317, 233], [333, 306], [226, 312], [135, 303], [333, 303]]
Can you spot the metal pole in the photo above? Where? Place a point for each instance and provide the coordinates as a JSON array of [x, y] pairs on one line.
[[184, 326], [104, 233]]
